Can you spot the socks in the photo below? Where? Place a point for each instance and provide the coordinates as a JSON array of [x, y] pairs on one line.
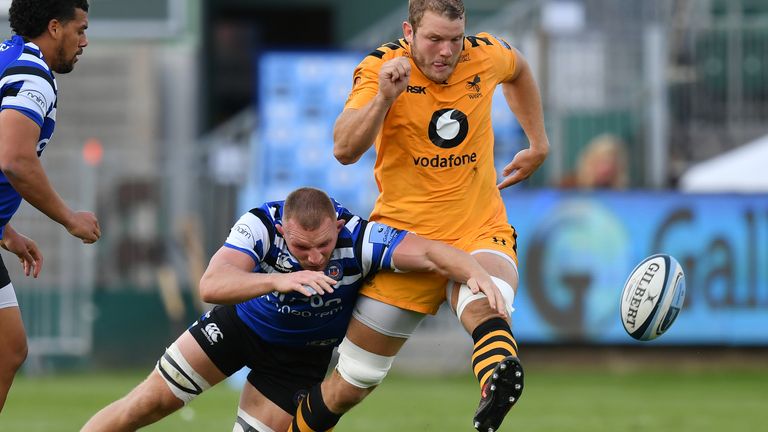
[[493, 342], [312, 415]]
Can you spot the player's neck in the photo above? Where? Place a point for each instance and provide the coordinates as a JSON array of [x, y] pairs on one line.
[[47, 47]]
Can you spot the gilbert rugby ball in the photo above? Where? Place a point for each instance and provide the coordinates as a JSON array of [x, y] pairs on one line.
[[652, 297]]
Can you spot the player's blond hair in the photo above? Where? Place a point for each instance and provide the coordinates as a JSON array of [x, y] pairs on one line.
[[451, 9], [309, 207]]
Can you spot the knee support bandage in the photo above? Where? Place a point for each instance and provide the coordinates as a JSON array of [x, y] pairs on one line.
[[360, 367], [183, 381], [466, 297], [247, 423]]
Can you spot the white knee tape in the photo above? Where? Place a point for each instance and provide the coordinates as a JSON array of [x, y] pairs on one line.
[[466, 297], [360, 367], [247, 423], [183, 381]]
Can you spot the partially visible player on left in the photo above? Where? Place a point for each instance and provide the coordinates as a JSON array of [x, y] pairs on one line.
[[49, 37]]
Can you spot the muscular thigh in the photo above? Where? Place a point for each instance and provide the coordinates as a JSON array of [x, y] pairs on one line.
[[13, 338], [381, 328], [266, 413], [219, 337], [198, 359], [418, 292], [276, 371], [12, 334], [495, 249]]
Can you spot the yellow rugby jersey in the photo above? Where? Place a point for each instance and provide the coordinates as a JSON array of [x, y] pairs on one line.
[[434, 154]]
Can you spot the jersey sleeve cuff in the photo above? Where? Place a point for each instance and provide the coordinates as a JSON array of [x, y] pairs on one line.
[[34, 116], [243, 250]]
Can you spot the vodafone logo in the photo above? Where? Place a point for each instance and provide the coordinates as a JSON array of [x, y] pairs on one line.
[[448, 128]]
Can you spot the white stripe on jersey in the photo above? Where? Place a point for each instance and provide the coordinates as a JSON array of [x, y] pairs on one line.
[[247, 231], [353, 221], [369, 244], [347, 252], [367, 248], [32, 83], [33, 59]]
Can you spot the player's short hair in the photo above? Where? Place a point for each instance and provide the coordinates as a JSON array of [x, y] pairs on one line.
[[451, 9], [309, 207], [30, 18]]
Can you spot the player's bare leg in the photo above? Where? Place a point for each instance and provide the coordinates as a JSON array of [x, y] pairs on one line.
[[154, 399], [327, 402], [13, 348], [257, 413], [494, 358]]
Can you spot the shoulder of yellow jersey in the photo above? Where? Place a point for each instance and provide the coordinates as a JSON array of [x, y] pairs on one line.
[[497, 50], [385, 52], [487, 42]]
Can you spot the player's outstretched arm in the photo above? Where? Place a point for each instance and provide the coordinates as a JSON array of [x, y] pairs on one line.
[[416, 253], [25, 248], [22, 168], [523, 97], [356, 129], [230, 279]]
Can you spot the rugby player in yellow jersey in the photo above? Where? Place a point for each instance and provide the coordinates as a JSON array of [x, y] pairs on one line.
[[425, 101]]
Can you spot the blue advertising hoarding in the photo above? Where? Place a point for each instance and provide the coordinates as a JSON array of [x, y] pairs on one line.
[[577, 249]]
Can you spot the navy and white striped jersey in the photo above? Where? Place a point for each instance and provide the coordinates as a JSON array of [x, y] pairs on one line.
[[28, 86], [362, 248]]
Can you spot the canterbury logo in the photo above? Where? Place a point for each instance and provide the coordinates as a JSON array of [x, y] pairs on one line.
[[213, 332]]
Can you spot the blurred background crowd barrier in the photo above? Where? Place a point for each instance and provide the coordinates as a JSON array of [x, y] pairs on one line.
[[182, 114]]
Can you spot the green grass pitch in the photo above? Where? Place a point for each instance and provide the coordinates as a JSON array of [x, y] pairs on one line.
[[554, 400]]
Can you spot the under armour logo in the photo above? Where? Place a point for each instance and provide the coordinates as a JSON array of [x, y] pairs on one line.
[[502, 241], [213, 332]]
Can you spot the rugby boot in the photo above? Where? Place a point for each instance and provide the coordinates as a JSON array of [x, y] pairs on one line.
[[500, 392]]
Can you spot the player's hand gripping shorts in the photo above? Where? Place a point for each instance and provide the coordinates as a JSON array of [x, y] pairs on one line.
[[425, 292]]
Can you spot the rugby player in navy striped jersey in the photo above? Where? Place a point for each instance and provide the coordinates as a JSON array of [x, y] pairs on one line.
[[289, 273], [49, 37]]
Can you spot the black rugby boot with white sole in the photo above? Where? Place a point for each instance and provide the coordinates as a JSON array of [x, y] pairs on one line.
[[500, 392]]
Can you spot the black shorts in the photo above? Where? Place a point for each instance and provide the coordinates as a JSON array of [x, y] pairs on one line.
[[277, 371], [4, 278]]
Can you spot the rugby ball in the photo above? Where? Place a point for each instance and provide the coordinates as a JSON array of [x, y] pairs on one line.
[[652, 297]]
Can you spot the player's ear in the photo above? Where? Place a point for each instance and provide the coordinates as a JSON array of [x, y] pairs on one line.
[[280, 229], [54, 28], [408, 32], [339, 225]]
